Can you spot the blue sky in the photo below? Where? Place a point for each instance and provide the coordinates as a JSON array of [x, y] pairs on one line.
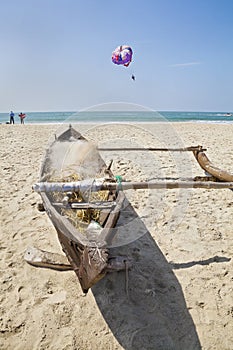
[[56, 54]]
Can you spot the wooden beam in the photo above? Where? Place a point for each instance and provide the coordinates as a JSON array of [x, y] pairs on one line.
[[83, 205], [185, 149], [110, 186], [210, 168]]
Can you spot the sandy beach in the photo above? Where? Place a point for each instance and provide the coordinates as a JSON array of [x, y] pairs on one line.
[[179, 292]]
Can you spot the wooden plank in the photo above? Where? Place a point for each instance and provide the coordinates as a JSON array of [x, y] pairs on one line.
[[82, 205], [108, 232], [42, 258]]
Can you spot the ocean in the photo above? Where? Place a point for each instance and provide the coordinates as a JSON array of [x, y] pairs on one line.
[[120, 117]]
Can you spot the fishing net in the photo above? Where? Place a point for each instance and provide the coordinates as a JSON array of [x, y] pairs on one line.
[[79, 218], [69, 161]]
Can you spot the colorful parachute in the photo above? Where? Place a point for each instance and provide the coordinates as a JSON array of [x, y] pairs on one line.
[[122, 55]]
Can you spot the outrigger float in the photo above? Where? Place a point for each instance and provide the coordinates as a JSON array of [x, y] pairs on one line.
[[84, 201]]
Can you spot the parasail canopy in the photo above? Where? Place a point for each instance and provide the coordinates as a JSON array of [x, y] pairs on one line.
[[122, 55]]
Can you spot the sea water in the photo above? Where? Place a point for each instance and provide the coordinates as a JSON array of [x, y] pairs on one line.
[[120, 116]]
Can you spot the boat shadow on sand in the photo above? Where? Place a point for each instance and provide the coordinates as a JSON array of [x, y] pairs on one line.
[[147, 310]]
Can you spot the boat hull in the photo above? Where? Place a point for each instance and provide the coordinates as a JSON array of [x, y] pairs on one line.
[[71, 152]]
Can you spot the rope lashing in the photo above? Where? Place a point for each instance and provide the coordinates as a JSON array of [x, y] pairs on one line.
[[119, 182]]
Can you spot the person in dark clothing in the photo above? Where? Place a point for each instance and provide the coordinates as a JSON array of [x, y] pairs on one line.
[[12, 119]]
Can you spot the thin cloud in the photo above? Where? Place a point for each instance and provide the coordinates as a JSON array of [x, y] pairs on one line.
[[185, 64]]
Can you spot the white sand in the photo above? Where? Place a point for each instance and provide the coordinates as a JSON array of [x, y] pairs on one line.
[[180, 288]]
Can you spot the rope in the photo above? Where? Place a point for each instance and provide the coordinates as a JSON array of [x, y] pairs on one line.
[[119, 182]]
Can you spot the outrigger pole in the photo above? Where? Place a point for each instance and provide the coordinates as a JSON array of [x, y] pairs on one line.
[[94, 185], [185, 149]]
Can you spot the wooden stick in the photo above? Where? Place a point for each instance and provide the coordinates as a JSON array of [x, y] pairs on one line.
[[186, 149], [109, 186], [90, 205]]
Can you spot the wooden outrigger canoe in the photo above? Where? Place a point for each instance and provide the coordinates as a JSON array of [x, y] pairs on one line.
[[83, 224], [84, 201]]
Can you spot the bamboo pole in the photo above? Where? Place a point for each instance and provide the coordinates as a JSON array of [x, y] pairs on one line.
[[185, 149], [95, 186]]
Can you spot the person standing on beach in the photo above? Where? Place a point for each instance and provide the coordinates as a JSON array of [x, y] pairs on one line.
[[12, 119], [22, 116]]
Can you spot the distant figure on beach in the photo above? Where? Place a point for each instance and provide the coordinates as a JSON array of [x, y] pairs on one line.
[[12, 119], [133, 77], [22, 117]]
